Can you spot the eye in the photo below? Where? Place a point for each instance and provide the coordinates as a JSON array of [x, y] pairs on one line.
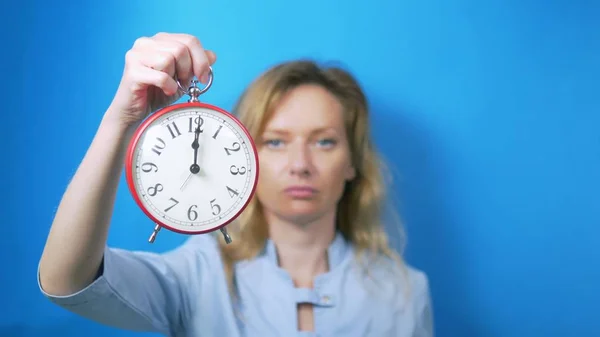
[[327, 142], [273, 143]]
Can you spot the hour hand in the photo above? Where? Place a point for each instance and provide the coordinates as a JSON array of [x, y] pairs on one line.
[[195, 168]]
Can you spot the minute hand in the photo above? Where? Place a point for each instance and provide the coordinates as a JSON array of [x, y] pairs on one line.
[[195, 168]]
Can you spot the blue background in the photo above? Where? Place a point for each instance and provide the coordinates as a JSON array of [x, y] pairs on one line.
[[489, 110]]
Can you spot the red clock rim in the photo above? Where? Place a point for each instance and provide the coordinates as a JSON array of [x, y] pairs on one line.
[[133, 144]]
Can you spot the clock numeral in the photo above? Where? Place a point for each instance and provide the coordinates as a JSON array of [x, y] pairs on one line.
[[175, 204], [232, 192], [147, 169], [174, 130], [153, 190], [192, 214], [198, 122], [216, 209], [235, 171], [217, 132], [158, 147], [234, 147]]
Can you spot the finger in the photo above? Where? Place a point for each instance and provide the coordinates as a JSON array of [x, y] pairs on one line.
[[159, 60], [200, 61], [153, 53], [212, 57], [181, 54], [143, 75]]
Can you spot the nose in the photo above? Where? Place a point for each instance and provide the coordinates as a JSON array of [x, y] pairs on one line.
[[300, 161]]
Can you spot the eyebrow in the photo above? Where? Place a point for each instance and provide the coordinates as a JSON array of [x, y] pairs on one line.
[[285, 132]]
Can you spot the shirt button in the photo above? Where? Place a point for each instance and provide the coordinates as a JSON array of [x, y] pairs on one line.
[[325, 299]]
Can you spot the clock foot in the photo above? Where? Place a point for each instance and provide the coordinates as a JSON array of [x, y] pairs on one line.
[[226, 235], [154, 233]]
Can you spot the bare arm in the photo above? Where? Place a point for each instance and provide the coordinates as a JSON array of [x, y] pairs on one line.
[[78, 235], [75, 245]]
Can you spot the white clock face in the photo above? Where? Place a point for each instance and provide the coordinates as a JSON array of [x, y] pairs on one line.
[[188, 188]]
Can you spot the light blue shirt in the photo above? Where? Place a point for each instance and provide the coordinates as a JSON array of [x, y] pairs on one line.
[[184, 293]]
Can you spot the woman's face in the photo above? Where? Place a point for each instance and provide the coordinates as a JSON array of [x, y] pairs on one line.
[[304, 155]]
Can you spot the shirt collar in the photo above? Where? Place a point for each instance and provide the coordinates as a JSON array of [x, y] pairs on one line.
[[336, 252]]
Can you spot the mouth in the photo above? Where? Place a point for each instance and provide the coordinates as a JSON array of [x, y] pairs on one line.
[[300, 192]]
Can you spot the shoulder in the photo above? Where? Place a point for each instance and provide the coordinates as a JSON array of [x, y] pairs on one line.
[[394, 280], [417, 279], [203, 243], [398, 293], [197, 256], [420, 303], [193, 249], [200, 249]]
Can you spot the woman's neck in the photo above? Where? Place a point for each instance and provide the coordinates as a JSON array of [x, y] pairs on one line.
[[302, 248]]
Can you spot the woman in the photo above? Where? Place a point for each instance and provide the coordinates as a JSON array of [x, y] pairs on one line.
[[311, 262]]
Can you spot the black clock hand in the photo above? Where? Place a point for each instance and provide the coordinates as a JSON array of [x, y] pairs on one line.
[[195, 168]]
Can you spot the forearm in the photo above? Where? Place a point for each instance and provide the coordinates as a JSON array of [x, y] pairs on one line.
[[78, 235]]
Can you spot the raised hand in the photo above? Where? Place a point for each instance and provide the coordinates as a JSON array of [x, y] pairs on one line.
[[152, 67]]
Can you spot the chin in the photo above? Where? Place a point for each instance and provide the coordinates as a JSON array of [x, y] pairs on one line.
[[301, 213]]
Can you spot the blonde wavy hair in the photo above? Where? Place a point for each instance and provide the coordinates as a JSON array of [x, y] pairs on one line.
[[360, 211]]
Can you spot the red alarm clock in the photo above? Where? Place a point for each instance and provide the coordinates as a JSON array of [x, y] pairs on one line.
[[192, 167]]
